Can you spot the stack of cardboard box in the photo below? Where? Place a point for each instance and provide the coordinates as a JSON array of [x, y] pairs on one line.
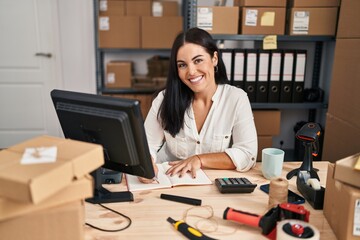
[[267, 124], [342, 198], [138, 23], [44, 200], [342, 130]]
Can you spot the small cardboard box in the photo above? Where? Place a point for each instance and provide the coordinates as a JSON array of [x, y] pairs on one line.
[[348, 19], [111, 7], [33, 183], [218, 20], [138, 8], [313, 21], [118, 74], [119, 32], [260, 3], [345, 171], [77, 190], [267, 122], [263, 20], [65, 222], [160, 32], [341, 203]]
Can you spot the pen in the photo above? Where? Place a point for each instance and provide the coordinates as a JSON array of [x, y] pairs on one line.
[[188, 231], [192, 201]]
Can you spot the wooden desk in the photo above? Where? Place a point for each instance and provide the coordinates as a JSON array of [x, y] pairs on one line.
[[149, 213]]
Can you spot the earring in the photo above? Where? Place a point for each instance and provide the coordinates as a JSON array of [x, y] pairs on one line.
[[216, 68]]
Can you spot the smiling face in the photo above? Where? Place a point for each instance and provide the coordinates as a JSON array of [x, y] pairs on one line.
[[196, 67]]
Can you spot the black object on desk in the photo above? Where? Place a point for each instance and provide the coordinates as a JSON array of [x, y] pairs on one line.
[[188, 231], [192, 201], [234, 185]]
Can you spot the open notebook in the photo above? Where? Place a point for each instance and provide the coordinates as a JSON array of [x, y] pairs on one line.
[[165, 181]]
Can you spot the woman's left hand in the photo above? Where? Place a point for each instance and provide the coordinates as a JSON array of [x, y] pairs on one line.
[[181, 167]]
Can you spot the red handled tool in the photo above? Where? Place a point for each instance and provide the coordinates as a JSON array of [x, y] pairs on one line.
[[268, 222]]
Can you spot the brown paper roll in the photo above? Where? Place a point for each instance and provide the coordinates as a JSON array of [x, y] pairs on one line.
[[278, 191]]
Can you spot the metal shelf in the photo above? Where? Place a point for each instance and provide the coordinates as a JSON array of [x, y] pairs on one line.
[[305, 105], [285, 38]]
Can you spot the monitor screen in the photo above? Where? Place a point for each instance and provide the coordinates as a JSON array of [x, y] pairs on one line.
[[114, 123]]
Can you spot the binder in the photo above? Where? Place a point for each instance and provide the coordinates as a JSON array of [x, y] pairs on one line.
[[262, 76], [274, 79], [239, 68], [227, 57], [299, 78], [250, 73], [287, 77]]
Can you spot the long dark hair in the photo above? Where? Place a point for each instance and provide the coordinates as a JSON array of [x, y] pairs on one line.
[[178, 96]]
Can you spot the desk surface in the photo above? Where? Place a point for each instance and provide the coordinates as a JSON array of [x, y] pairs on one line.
[[149, 213]]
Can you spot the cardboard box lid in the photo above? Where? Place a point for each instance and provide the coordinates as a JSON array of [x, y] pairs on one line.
[[36, 182], [345, 171], [78, 189], [313, 3]]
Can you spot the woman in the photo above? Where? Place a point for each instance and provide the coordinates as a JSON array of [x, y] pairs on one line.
[[199, 121]]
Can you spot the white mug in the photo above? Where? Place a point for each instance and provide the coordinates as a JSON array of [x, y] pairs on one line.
[[272, 162]]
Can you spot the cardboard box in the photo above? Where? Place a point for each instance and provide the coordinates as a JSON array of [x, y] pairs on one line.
[[77, 190], [313, 3], [340, 203], [138, 8], [267, 122], [341, 139], [313, 21], [119, 32], [160, 32], [263, 142], [111, 7], [260, 3], [345, 171], [346, 82], [37, 182], [165, 9], [263, 20], [348, 19], [118, 74], [218, 20], [65, 222]]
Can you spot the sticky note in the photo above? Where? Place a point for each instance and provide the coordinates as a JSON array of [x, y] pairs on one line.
[[270, 42], [268, 19]]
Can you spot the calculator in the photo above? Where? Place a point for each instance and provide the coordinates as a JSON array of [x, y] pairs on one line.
[[234, 185]]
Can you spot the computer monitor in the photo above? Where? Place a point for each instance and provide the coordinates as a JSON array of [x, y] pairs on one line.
[[114, 123]]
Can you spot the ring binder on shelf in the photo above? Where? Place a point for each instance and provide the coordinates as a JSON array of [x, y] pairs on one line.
[[227, 57], [287, 77], [262, 77], [298, 84], [274, 79], [251, 71], [239, 65]]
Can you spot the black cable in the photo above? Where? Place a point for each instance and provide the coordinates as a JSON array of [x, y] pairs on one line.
[[110, 230]]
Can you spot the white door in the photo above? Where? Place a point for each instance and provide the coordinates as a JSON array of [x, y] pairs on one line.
[[28, 56]]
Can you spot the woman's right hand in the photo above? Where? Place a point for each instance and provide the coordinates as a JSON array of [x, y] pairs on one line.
[[147, 180]]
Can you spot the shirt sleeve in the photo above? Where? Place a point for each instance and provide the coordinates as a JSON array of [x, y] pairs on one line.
[[243, 151], [153, 129]]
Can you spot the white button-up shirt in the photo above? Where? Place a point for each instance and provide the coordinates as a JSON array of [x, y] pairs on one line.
[[229, 127]]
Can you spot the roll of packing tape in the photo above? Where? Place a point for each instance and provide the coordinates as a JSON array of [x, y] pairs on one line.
[[314, 183], [290, 229]]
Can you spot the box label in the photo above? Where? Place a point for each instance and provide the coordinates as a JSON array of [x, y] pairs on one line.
[[301, 22], [205, 18], [110, 78], [104, 24], [157, 9], [103, 6], [356, 230], [251, 17]]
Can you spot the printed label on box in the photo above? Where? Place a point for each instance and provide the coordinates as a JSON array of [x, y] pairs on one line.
[[205, 18], [301, 22], [251, 17], [157, 9], [110, 78], [356, 230], [103, 6], [104, 24]]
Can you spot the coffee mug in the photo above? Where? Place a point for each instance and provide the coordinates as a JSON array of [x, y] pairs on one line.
[[272, 162]]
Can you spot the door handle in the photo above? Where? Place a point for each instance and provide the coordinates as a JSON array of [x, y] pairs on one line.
[[48, 55]]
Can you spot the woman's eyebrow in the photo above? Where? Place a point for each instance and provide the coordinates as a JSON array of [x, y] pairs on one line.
[[196, 57]]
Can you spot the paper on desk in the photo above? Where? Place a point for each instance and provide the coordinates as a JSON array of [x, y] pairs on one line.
[[357, 164], [39, 155]]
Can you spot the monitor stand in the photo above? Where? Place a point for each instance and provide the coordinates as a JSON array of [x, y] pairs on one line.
[[102, 195]]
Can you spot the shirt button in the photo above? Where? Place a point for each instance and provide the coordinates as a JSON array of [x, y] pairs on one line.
[[226, 137], [198, 142]]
